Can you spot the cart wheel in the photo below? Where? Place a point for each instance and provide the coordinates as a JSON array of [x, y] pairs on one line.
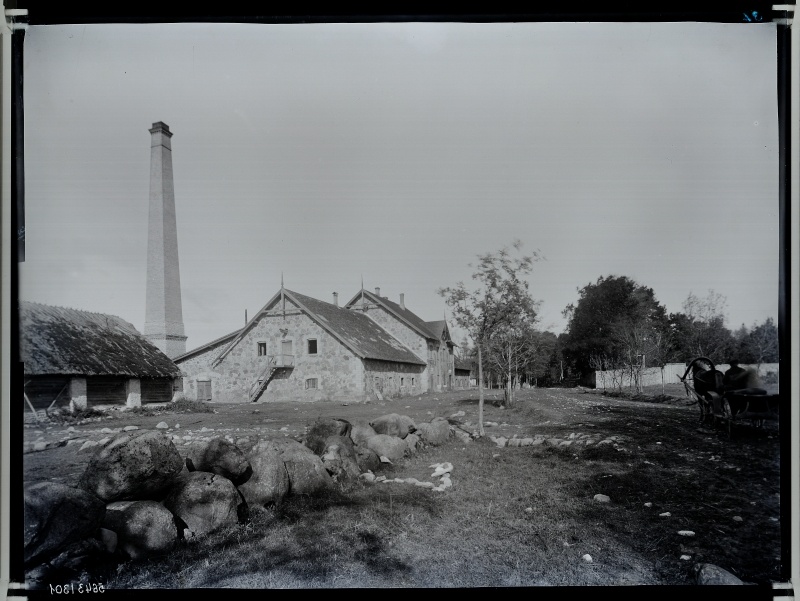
[[727, 415]]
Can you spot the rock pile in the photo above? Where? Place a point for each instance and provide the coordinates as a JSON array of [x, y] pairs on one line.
[[138, 496]]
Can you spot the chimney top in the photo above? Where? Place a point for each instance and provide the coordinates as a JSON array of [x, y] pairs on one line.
[[377, 291], [162, 127], [402, 300], [336, 298]]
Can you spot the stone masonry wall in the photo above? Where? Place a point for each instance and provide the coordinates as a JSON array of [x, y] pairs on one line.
[[418, 344], [393, 379], [337, 371]]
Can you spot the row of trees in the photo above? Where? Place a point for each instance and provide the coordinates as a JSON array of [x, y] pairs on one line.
[[616, 324]]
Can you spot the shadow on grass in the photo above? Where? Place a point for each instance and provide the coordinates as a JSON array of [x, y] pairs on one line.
[[305, 541]]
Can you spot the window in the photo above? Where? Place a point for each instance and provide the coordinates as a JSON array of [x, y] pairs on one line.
[[311, 383], [203, 390], [312, 346], [262, 349], [402, 382], [412, 381]]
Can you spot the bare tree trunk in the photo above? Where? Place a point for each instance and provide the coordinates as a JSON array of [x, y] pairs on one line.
[[480, 391]]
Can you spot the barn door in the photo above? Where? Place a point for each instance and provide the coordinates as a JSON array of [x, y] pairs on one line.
[[286, 349]]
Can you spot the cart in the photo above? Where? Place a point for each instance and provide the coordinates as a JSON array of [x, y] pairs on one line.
[[719, 405]]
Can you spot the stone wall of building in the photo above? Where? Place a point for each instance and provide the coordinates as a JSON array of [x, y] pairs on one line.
[[418, 344], [393, 379], [198, 367], [332, 373]]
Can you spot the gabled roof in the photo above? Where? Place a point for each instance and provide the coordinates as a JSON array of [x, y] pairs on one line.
[[461, 364], [356, 331], [440, 329], [205, 346], [408, 317], [57, 340]]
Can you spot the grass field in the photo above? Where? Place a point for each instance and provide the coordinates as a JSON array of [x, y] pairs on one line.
[[514, 516]]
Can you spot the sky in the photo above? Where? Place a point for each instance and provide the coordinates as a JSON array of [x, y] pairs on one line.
[[398, 152]]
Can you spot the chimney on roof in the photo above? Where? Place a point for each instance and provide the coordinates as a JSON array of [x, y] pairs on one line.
[[377, 291], [402, 301], [336, 299]]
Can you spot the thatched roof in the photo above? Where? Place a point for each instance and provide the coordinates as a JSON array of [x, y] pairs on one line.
[[61, 341]]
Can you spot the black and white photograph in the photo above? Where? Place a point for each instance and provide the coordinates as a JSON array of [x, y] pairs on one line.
[[401, 304]]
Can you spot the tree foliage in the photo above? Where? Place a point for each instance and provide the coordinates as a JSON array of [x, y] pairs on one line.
[[611, 323]]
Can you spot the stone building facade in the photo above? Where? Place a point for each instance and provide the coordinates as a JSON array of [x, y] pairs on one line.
[[429, 340], [302, 349]]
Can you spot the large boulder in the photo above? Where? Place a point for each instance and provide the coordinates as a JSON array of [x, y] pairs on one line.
[[307, 474], [391, 447], [339, 459], [204, 502], [367, 459], [317, 436], [435, 432], [361, 433], [413, 442], [56, 515], [143, 528], [133, 465], [221, 457], [709, 574], [269, 482], [393, 425]]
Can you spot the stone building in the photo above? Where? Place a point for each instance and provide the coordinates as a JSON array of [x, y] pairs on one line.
[[83, 359], [463, 371], [428, 339], [300, 348]]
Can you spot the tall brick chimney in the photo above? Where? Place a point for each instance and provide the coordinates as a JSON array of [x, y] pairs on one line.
[[336, 298], [377, 291], [402, 301], [163, 324]]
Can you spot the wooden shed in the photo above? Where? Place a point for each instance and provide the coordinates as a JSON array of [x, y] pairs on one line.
[[82, 359]]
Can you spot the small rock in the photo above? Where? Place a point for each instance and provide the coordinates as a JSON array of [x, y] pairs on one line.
[[666, 514], [529, 510], [686, 557], [130, 428], [87, 445], [162, 425], [177, 426], [648, 504], [204, 429], [385, 459], [70, 429], [686, 532], [40, 446], [109, 430], [495, 455], [737, 518], [587, 558], [285, 429], [658, 443], [602, 498], [368, 477]]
